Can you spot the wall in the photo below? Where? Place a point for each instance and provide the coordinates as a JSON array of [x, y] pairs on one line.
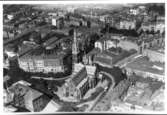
[[128, 45], [99, 45], [154, 55]]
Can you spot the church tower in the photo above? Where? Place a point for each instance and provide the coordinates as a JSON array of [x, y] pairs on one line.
[[75, 50]]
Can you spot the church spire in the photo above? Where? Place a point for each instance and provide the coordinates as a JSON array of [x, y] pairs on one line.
[[75, 48]]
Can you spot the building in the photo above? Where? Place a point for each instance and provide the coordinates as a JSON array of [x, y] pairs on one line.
[[141, 43], [129, 25], [141, 94], [134, 11], [155, 54], [29, 98], [10, 16], [11, 50], [158, 26], [58, 22], [110, 57], [82, 79], [108, 41], [129, 43], [43, 61], [142, 66]]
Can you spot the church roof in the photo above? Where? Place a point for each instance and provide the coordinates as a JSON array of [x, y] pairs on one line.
[[78, 77]]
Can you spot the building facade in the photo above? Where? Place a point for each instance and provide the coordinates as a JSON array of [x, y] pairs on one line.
[[129, 25], [80, 82], [28, 98], [42, 65]]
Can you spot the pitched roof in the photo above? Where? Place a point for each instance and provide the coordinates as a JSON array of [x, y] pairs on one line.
[[29, 92], [143, 64], [77, 78], [52, 106]]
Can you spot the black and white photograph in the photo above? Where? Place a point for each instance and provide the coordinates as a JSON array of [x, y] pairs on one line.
[[86, 58]]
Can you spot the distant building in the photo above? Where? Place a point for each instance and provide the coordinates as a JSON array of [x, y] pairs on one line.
[[8, 34], [26, 97], [82, 79], [58, 22], [158, 26], [104, 44], [157, 100], [10, 16], [134, 11], [129, 44], [129, 25], [8, 96]]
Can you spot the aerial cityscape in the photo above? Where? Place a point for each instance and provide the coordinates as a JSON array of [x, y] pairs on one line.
[[84, 57]]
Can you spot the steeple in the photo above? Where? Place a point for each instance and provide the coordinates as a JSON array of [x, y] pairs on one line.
[[75, 48]]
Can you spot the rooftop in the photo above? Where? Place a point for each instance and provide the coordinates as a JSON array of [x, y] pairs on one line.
[[28, 91], [143, 90], [143, 64], [24, 48], [50, 41], [42, 53], [112, 56], [78, 77], [159, 49]]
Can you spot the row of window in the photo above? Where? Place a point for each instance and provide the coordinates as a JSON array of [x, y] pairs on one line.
[[19, 101], [38, 104]]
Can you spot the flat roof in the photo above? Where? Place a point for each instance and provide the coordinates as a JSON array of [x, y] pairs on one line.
[[42, 53], [143, 64]]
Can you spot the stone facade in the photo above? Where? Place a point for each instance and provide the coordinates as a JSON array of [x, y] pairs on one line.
[[80, 82]]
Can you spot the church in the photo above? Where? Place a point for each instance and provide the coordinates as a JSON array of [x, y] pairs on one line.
[[82, 78]]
